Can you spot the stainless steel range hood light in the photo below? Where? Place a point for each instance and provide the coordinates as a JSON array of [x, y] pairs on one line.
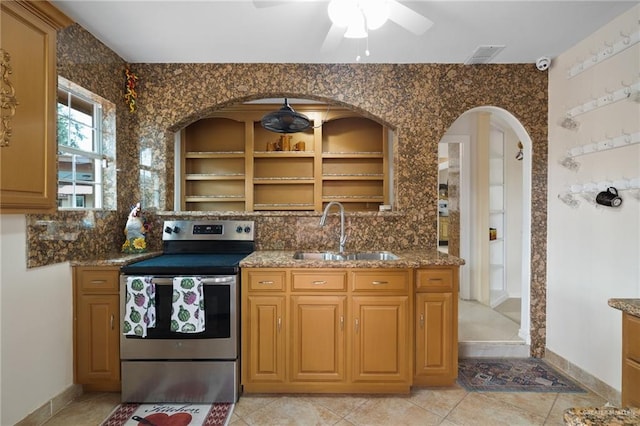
[[285, 120]]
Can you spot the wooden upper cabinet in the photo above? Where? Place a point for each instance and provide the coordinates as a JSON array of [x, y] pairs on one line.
[[28, 153]]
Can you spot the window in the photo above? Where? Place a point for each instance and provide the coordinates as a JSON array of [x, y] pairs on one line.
[[149, 179], [86, 169]]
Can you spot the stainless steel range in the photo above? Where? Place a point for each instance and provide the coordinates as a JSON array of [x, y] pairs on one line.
[[180, 315]]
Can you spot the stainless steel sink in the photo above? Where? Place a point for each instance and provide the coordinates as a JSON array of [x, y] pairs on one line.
[[333, 256], [376, 255]]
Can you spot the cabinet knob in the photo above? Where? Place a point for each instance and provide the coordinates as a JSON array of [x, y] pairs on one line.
[[318, 282], [421, 320], [379, 282], [266, 282], [357, 326]]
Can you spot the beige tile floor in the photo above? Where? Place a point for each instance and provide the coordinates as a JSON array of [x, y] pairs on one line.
[[424, 406], [479, 323]]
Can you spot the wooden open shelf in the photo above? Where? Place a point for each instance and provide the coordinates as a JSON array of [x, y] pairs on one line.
[[229, 162]]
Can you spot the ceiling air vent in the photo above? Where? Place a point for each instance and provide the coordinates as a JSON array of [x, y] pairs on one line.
[[483, 54]]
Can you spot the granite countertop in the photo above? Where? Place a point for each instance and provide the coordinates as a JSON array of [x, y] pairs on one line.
[[601, 416], [407, 259], [284, 259], [629, 306], [115, 259]]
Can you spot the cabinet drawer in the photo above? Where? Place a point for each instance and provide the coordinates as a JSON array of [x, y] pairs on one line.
[[436, 279], [98, 280], [381, 281], [631, 336], [266, 280], [319, 280]]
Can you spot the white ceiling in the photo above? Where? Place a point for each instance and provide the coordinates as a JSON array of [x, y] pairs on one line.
[[247, 31]]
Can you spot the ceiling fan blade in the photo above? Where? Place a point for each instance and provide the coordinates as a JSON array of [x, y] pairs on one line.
[[259, 4], [333, 38], [408, 18]]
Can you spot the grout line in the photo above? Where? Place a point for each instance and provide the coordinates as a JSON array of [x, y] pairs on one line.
[[546, 420]]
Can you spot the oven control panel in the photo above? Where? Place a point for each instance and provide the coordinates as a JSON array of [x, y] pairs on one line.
[[223, 230], [215, 229]]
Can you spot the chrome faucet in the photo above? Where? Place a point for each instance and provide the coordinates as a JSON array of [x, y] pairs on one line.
[[323, 219]]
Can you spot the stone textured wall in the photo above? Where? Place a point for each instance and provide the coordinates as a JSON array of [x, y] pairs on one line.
[[420, 101], [68, 235]]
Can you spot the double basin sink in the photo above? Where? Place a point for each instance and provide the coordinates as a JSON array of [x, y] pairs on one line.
[[334, 256]]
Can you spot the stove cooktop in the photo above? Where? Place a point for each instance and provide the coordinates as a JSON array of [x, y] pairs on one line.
[[187, 264]]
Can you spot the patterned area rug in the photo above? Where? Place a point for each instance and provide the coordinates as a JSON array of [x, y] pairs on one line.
[[217, 414], [512, 375]]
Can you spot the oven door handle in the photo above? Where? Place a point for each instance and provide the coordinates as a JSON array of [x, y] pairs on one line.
[[205, 281]]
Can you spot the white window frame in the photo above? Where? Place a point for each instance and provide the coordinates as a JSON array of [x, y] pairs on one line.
[[100, 160]]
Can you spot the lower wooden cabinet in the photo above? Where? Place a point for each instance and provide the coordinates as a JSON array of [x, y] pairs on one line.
[[265, 362], [630, 361], [96, 328], [318, 338], [436, 325], [381, 339], [335, 330]]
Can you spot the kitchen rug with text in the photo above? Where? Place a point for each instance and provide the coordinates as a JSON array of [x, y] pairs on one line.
[[161, 414], [512, 375]]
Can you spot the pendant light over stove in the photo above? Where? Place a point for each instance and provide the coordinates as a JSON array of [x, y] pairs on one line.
[[285, 120]]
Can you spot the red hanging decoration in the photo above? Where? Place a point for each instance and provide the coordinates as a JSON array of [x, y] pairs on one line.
[[130, 95]]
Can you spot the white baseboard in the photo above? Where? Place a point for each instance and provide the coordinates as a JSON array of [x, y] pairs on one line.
[[587, 380], [51, 407]]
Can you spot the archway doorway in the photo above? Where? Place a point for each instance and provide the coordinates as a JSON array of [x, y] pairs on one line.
[[485, 176]]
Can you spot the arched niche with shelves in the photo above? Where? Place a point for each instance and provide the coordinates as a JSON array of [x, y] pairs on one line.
[[229, 162]]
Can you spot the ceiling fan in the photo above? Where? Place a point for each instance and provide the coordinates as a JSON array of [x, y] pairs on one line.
[[340, 10]]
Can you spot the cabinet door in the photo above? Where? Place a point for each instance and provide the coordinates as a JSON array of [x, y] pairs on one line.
[[630, 361], [97, 339], [31, 45], [381, 341], [630, 383], [434, 336], [264, 354], [318, 338]]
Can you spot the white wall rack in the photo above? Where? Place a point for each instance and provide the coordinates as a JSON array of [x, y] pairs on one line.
[[625, 139], [589, 190], [622, 93], [610, 49]]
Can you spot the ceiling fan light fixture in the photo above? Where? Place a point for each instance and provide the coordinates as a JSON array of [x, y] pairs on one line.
[[376, 13], [342, 12], [285, 120], [356, 28], [358, 15]]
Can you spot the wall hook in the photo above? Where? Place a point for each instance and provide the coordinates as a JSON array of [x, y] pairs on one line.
[[570, 164], [569, 123], [568, 199]]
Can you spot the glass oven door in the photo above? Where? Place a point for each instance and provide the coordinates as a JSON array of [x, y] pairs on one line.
[[217, 341]]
